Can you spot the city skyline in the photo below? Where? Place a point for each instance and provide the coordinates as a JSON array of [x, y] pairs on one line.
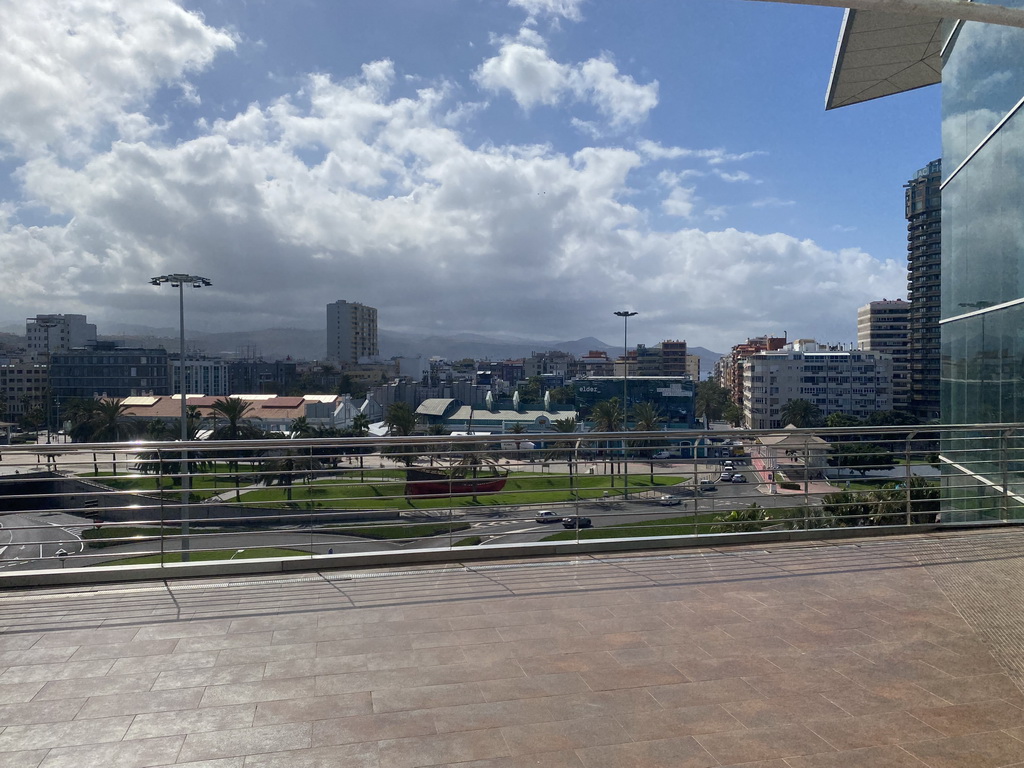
[[516, 168]]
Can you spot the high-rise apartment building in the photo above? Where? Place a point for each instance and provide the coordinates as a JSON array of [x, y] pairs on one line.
[[729, 369], [57, 333], [882, 326], [351, 332], [924, 272], [669, 358]]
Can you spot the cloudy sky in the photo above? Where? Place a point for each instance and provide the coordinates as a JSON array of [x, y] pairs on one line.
[[516, 167]]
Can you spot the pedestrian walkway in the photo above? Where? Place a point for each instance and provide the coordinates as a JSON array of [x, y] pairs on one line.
[[874, 652]]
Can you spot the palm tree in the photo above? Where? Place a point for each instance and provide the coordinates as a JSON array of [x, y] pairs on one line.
[[607, 415], [712, 400], [111, 424], [801, 414], [647, 418], [301, 427], [286, 464], [361, 424], [566, 448], [401, 421], [235, 411]]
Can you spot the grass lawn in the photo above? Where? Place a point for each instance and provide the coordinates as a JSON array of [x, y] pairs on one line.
[[521, 488], [672, 526]]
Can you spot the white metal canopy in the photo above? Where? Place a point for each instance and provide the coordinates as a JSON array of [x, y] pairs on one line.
[[891, 46]]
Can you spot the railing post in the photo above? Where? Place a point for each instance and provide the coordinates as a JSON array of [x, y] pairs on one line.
[[907, 475], [1004, 462], [807, 484]]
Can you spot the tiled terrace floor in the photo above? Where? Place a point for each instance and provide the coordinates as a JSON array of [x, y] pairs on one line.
[[882, 652]]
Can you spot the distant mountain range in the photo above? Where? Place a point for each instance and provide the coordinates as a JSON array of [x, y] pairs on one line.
[[305, 344]]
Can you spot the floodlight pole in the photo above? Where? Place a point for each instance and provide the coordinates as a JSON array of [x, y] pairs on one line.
[[48, 325], [178, 281], [625, 315]]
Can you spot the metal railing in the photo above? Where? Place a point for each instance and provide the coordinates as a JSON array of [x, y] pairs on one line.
[[121, 508]]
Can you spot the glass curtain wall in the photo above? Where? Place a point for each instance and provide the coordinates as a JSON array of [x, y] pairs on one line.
[[983, 268]]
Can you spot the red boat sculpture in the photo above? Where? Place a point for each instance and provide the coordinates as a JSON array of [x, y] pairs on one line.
[[458, 480]]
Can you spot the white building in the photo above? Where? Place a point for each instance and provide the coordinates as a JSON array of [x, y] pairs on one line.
[[203, 376], [856, 382], [351, 332], [49, 334]]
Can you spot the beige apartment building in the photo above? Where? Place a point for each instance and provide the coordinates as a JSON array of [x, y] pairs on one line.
[[855, 382]]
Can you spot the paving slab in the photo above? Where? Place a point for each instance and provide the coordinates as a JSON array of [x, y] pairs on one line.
[[904, 652]]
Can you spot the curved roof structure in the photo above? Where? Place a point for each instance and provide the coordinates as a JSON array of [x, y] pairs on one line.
[[891, 46]]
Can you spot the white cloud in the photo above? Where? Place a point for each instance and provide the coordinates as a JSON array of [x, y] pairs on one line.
[[772, 202], [527, 72], [345, 189], [73, 67], [680, 202], [657, 151], [524, 69], [737, 176], [567, 9]]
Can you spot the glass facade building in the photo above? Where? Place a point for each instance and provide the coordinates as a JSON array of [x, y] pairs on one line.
[[982, 380]]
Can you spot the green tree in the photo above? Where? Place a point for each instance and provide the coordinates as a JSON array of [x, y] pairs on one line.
[[753, 518], [531, 390], [712, 400], [236, 413], [801, 414], [647, 417], [301, 427], [861, 457], [111, 422], [607, 416], [401, 421], [565, 394], [733, 414], [361, 424], [848, 509], [840, 419], [81, 413], [891, 419]]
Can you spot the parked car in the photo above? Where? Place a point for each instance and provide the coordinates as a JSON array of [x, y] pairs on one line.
[[576, 522], [738, 478], [670, 501], [547, 516]]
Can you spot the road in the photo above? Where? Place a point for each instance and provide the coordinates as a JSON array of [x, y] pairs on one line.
[[35, 539], [32, 540]]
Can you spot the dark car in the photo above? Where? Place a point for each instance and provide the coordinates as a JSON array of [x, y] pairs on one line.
[[576, 522], [547, 516]]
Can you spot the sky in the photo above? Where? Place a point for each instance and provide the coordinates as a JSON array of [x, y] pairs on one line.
[[513, 168]]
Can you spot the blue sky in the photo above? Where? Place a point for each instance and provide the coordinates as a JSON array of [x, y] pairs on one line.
[[516, 167]]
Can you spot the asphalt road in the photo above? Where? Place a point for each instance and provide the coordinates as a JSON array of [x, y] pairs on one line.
[[33, 540]]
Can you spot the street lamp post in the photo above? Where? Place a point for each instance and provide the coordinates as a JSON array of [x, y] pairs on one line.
[[625, 315], [178, 281]]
